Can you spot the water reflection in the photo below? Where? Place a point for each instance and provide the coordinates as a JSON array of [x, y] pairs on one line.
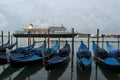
[[55, 74], [72, 70], [83, 75], [7, 72], [109, 74], [27, 72], [96, 69]]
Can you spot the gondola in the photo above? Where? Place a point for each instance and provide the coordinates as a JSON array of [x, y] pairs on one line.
[[83, 57], [24, 49], [4, 45], [112, 51], [60, 59], [33, 59], [15, 53], [3, 53], [7, 45], [102, 58], [38, 50]]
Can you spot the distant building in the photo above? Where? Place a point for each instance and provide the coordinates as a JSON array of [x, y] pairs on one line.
[[54, 29], [83, 35], [37, 30]]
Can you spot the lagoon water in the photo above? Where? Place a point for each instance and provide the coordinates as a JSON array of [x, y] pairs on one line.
[[65, 72]]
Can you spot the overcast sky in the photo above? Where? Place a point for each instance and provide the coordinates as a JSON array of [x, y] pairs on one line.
[[83, 15]]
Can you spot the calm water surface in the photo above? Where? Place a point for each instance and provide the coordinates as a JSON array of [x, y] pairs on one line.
[[65, 72]]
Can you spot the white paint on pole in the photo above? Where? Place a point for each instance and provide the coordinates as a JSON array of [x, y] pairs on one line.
[[8, 54]]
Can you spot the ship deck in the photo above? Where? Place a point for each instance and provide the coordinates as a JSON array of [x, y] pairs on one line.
[[46, 35]]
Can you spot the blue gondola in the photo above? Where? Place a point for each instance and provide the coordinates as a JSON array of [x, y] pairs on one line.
[[61, 58], [112, 51], [83, 57], [33, 58], [51, 51], [24, 49], [15, 53], [3, 54], [4, 45], [38, 50], [7, 45], [102, 58]]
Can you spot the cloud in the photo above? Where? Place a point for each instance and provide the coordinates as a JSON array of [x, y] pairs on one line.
[[83, 15]]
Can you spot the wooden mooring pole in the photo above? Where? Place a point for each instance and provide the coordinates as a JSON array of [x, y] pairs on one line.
[[16, 42], [9, 38], [97, 55], [2, 38], [88, 41], [45, 41], [59, 43], [48, 40], [97, 39], [72, 43], [118, 42], [72, 55], [102, 40], [28, 41]]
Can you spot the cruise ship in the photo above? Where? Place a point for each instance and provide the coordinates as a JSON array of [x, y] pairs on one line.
[[51, 31]]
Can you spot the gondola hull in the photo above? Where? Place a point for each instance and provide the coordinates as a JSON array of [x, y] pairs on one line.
[[3, 49], [28, 62], [3, 59], [109, 62], [106, 65], [112, 51], [24, 49], [33, 58], [82, 66], [20, 63], [60, 59], [83, 58], [57, 64]]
